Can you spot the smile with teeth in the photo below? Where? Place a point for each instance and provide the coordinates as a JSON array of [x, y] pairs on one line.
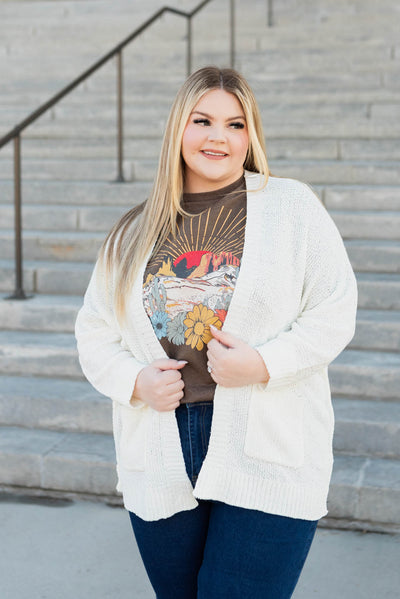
[[214, 154]]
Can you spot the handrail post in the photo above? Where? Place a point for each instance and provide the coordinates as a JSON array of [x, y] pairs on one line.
[[19, 293], [120, 123], [270, 15], [189, 46], [232, 23]]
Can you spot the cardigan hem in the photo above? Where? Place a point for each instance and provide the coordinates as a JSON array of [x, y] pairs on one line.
[[241, 490], [155, 504]]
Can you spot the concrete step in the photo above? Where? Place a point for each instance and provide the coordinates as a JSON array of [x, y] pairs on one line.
[[317, 13], [40, 276], [157, 55], [362, 197], [369, 224], [105, 148], [365, 489], [42, 313], [98, 193], [277, 61], [362, 488], [41, 354], [362, 76], [378, 291], [64, 461], [69, 9], [53, 404], [365, 427], [382, 149], [375, 256], [303, 60], [63, 218], [64, 170], [366, 374], [377, 330], [77, 246]]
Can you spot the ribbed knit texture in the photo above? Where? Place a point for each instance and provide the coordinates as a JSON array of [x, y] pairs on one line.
[[271, 445]]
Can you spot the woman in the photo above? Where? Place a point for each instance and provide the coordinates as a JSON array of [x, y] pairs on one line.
[[210, 320]]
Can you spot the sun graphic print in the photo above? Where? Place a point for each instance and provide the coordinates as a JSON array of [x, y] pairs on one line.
[[190, 282]]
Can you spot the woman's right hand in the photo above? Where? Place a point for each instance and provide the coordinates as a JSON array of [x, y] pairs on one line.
[[160, 384]]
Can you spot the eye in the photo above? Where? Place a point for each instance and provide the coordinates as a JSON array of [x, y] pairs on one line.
[[237, 125], [203, 122]]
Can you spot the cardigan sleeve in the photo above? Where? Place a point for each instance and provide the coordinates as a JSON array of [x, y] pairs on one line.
[[327, 317], [109, 366]]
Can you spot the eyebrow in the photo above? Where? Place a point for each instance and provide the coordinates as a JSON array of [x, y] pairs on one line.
[[234, 118]]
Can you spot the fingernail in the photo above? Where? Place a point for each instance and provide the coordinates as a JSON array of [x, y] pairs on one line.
[[183, 362], [212, 327]]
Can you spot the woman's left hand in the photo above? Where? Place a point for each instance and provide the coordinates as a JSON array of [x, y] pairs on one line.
[[233, 362]]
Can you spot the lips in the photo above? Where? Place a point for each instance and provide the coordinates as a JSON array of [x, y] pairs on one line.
[[213, 155]]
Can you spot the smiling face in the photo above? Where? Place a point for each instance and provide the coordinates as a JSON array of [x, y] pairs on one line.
[[214, 143]]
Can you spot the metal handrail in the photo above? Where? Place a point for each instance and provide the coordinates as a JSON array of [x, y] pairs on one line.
[[15, 133]]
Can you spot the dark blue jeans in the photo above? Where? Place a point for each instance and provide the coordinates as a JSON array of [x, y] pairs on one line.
[[219, 551]]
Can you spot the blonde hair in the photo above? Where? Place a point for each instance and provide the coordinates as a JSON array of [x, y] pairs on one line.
[[146, 226]]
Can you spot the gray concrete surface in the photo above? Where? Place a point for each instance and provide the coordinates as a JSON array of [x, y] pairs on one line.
[[61, 550]]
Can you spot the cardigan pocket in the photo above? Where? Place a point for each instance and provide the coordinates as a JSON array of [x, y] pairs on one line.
[[131, 442], [275, 426]]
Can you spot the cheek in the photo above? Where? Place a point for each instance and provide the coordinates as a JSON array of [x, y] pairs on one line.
[[241, 146], [190, 141]]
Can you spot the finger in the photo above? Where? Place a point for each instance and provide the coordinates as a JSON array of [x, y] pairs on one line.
[[174, 387], [213, 344], [170, 407], [214, 377], [168, 377], [225, 338], [173, 401], [169, 364], [215, 349]]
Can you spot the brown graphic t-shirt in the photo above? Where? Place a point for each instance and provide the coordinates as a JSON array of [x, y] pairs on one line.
[[188, 285]]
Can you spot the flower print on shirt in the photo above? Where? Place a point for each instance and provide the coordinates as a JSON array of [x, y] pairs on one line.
[[176, 329], [159, 320], [198, 326]]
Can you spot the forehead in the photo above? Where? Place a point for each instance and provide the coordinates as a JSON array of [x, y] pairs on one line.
[[219, 102]]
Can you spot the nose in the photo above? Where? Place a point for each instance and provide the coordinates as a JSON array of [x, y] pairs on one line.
[[216, 134]]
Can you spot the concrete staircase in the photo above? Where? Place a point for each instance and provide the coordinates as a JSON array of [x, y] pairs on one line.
[[327, 80]]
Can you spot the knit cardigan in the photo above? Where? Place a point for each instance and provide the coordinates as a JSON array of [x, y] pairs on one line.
[[270, 446]]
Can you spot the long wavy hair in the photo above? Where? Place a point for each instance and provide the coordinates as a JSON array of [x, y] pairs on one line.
[[147, 226]]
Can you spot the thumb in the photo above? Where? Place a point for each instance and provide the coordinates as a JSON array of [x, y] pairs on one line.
[[225, 338], [169, 364]]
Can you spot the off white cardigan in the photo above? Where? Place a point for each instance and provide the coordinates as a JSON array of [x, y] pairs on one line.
[[271, 445]]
